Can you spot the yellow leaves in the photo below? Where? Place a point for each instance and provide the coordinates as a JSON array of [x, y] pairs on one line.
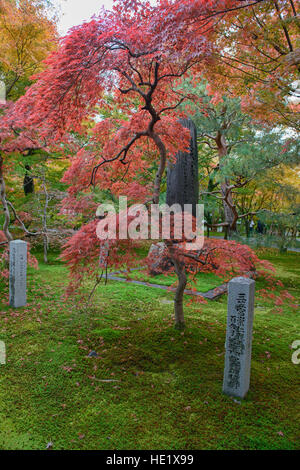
[[26, 38]]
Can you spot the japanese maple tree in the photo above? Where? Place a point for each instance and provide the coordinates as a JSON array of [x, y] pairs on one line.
[[136, 54]]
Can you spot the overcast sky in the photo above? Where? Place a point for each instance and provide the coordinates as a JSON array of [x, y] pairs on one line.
[[74, 12]]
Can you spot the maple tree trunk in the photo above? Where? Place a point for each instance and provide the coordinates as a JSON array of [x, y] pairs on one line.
[[4, 203], [44, 217], [161, 168], [178, 302], [45, 250], [179, 266]]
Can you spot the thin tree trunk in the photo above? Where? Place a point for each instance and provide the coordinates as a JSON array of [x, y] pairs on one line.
[[44, 217], [4, 203], [228, 203], [178, 303], [45, 250], [247, 227], [179, 266], [162, 165], [182, 281]]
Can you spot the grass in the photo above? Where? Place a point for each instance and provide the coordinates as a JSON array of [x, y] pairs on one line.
[[167, 388]]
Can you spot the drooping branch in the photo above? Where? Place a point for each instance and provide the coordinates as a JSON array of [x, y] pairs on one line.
[[286, 33], [4, 203], [147, 97], [122, 153], [33, 234]]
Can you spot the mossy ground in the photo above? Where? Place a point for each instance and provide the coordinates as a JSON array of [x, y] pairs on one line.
[[202, 282], [167, 392]]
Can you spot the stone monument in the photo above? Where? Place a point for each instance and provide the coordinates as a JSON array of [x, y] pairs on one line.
[[239, 336], [17, 273], [182, 176]]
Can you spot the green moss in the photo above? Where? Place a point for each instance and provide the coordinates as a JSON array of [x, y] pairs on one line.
[[202, 281], [164, 387], [107, 333]]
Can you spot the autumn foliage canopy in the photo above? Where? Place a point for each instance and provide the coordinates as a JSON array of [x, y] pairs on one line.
[[110, 98]]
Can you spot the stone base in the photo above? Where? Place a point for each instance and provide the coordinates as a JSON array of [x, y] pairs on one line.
[[158, 260]]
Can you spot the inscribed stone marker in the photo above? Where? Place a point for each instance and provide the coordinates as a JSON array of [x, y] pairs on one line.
[[17, 273], [182, 177], [239, 336]]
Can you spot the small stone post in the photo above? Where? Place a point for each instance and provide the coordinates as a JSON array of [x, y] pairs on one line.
[[239, 336], [2, 353], [17, 273], [2, 93]]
